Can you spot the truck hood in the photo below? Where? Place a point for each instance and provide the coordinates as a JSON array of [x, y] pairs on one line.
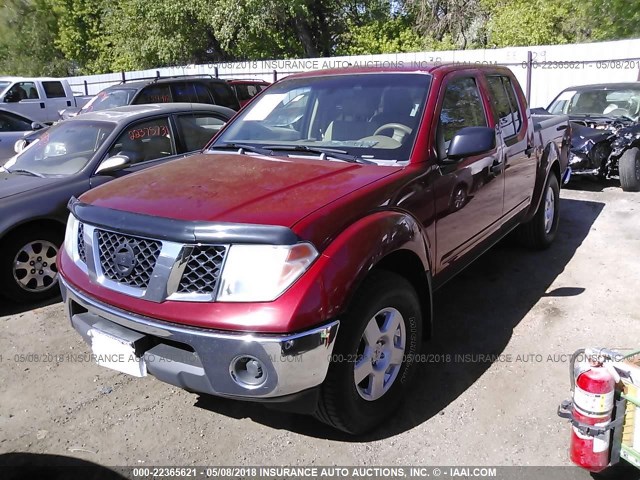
[[237, 188], [15, 183]]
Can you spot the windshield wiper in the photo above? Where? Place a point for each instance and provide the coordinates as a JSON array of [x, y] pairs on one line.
[[28, 172], [241, 147], [323, 152]]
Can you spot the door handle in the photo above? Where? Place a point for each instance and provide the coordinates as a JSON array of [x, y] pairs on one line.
[[41, 104]]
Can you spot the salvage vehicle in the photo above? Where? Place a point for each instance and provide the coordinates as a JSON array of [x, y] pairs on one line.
[[38, 98], [295, 265], [247, 89], [14, 127], [606, 130], [182, 88], [72, 157]]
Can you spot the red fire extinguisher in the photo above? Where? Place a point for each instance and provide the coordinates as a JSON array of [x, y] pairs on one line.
[[593, 386]]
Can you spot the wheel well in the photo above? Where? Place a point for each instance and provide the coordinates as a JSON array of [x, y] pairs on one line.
[[43, 223], [408, 265]]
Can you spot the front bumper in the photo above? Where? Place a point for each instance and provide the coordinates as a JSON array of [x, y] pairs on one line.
[[200, 360]]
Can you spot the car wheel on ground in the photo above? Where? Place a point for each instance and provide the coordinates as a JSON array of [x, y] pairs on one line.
[[629, 169], [540, 231], [374, 356], [28, 270]]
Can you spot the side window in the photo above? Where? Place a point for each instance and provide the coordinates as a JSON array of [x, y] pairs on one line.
[[145, 141], [243, 92], [22, 91], [501, 105], [184, 92], [515, 106], [461, 107], [9, 123], [154, 94], [252, 90], [223, 95], [202, 93], [53, 89], [197, 129]]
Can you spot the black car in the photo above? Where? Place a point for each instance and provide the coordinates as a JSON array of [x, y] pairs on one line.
[[191, 89], [72, 157], [605, 126]]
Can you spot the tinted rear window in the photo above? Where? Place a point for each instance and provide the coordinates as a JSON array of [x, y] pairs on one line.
[[53, 89], [154, 94], [223, 95]]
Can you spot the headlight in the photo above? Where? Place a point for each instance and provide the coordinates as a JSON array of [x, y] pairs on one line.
[[71, 236], [261, 273]]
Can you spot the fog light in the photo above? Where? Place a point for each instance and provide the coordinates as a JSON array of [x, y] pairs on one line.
[[248, 371]]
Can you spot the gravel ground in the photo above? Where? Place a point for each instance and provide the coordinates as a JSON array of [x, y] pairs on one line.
[[532, 309]]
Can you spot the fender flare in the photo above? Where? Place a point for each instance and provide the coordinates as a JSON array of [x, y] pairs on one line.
[[389, 238], [550, 157]]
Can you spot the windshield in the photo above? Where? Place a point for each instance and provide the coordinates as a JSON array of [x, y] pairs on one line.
[[610, 102], [370, 116], [4, 85], [109, 99], [64, 149]]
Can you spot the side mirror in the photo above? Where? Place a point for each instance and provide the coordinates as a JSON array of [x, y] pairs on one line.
[[113, 164], [471, 141]]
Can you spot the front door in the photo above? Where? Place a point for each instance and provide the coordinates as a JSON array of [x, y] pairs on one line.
[[469, 192]]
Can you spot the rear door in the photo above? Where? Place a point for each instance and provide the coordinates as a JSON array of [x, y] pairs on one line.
[[196, 129], [469, 192], [55, 98], [520, 163]]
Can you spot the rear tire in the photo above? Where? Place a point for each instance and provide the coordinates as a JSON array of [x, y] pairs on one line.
[[539, 232], [629, 169], [374, 356], [28, 269]]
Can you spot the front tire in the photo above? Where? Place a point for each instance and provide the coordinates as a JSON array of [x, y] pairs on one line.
[[28, 268], [541, 230], [629, 169], [374, 356]]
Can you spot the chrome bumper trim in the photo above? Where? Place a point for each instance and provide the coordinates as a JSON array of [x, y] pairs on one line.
[[293, 362]]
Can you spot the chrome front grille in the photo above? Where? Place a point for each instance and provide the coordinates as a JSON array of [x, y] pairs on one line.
[[148, 268], [127, 259], [202, 272], [82, 252]]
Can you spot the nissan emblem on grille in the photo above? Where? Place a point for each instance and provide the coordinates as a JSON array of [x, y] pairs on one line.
[[124, 259], [127, 259]]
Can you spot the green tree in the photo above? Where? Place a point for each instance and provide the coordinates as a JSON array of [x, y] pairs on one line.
[[381, 36], [81, 36], [27, 40], [529, 22]]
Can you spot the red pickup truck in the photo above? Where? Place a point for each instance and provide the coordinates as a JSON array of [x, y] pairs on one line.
[[293, 261]]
